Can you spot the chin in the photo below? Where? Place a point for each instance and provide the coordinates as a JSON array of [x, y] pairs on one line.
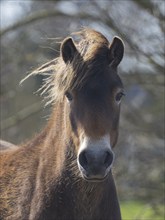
[[94, 180]]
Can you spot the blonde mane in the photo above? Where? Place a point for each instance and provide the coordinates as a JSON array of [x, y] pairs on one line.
[[60, 77]]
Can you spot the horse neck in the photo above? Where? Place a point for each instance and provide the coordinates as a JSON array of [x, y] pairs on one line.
[[58, 175], [52, 154]]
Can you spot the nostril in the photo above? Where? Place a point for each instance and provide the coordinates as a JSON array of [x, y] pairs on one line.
[[108, 159], [83, 159]]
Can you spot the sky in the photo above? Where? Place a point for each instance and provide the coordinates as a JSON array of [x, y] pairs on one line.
[[11, 11]]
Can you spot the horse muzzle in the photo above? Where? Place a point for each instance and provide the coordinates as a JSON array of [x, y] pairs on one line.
[[95, 159]]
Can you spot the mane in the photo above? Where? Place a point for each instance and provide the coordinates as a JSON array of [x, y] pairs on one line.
[[92, 49]]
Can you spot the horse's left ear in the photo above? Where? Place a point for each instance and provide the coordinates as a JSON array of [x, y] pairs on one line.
[[68, 50], [116, 51]]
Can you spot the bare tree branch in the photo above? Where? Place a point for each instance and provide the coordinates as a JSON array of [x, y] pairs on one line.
[[151, 8], [104, 18], [21, 115], [144, 78], [154, 10], [42, 15]]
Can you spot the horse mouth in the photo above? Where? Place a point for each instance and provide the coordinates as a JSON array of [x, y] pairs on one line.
[[94, 180]]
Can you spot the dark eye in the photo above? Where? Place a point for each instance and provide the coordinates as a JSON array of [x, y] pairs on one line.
[[69, 96], [119, 96]]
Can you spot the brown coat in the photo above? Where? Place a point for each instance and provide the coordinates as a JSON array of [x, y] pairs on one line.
[[40, 180]]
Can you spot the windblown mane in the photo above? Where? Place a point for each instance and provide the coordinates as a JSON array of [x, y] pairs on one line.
[[65, 172], [90, 59]]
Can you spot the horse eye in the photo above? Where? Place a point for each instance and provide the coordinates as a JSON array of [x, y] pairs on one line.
[[68, 96], [119, 96]]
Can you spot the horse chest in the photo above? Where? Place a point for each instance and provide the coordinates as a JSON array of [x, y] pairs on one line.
[[71, 203]]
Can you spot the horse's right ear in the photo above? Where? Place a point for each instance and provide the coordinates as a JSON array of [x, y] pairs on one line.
[[68, 50], [116, 52]]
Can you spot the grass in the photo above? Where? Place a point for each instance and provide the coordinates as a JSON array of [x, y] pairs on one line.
[[133, 210]]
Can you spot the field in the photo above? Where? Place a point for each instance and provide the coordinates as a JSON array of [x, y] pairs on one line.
[[139, 211]]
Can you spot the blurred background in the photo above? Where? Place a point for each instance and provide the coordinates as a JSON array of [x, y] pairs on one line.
[[30, 32]]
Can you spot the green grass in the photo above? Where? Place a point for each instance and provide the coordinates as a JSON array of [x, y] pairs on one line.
[[139, 211]]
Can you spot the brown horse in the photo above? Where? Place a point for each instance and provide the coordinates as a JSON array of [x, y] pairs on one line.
[[64, 173]]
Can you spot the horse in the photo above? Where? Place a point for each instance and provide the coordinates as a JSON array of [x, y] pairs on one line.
[[65, 171]]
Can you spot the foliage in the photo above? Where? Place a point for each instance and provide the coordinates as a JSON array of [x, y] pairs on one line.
[[132, 210]]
